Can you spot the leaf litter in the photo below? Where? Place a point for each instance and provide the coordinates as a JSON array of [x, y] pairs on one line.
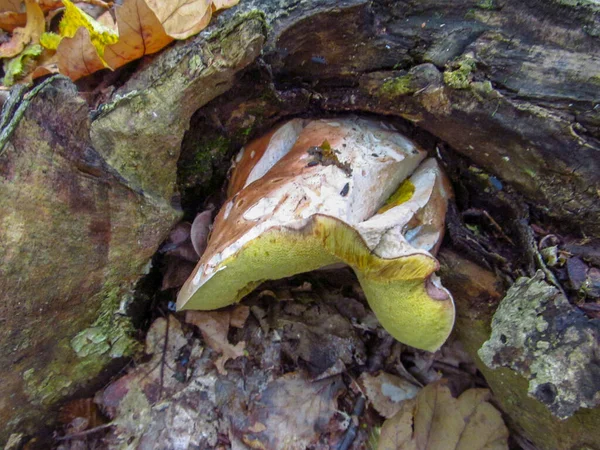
[[291, 367], [83, 45], [435, 420]]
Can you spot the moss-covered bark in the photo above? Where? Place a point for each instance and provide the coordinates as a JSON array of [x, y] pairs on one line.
[[85, 201], [477, 293]]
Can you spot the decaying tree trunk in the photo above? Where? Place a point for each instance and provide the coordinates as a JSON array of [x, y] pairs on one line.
[[506, 93], [86, 198]]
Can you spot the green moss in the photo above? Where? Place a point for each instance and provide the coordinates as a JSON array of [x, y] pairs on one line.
[[460, 77], [396, 87], [486, 4], [241, 136], [227, 29], [195, 63], [471, 14], [199, 168], [82, 358], [111, 333], [595, 79], [575, 3], [482, 87]]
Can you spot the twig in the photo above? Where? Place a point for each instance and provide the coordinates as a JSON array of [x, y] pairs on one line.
[[477, 211], [352, 430], [162, 359], [86, 432]]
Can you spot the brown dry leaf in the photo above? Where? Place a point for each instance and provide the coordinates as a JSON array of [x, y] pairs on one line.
[[292, 412], [182, 18], [214, 326], [83, 408], [437, 421], [140, 33], [386, 392], [239, 315], [106, 20], [157, 377], [223, 4], [397, 432], [10, 20], [77, 56], [10, 5], [24, 36], [47, 67]]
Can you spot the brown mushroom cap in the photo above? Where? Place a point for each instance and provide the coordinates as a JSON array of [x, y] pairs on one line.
[[308, 197]]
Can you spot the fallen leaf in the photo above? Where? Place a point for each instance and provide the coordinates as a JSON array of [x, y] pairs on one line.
[[239, 315], [386, 392], [47, 66], [292, 412], [435, 420], [9, 20], [155, 405], [106, 20], [155, 378], [397, 433], [214, 326], [11, 15], [140, 33], [223, 4], [10, 5], [20, 65], [83, 408], [182, 18], [21, 37], [74, 19], [77, 56], [319, 338], [142, 27]]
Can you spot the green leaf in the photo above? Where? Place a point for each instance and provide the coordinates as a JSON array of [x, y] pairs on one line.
[[17, 67]]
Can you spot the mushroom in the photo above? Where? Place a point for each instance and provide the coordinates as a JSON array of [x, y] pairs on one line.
[[313, 193]]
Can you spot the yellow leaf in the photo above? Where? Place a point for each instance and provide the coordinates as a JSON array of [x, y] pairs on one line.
[[182, 18], [140, 33], [74, 19], [24, 36], [50, 40]]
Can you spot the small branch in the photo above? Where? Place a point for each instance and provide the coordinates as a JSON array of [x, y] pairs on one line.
[[85, 433], [352, 430]]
